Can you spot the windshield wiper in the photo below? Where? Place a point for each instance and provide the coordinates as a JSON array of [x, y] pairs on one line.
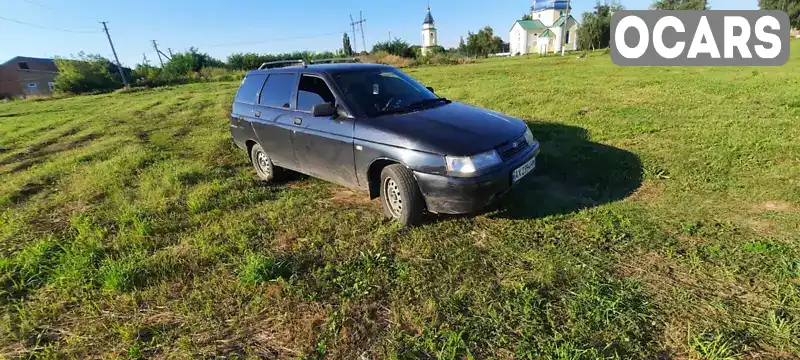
[[392, 111], [414, 106], [422, 103]]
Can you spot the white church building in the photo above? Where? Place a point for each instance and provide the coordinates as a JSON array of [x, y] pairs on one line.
[[428, 33], [542, 34]]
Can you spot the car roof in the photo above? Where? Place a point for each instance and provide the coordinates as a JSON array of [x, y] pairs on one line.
[[322, 68]]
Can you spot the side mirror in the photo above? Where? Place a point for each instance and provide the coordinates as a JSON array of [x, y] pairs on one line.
[[323, 110], [430, 89]]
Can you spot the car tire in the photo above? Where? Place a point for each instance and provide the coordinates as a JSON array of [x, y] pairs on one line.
[[400, 195], [263, 163]]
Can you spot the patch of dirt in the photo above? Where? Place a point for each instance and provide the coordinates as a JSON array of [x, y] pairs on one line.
[[351, 198], [284, 241], [25, 165], [70, 132], [181, 132], [142, 135], [37, 147], [32, 188], [775, 206], [81, 140], [12, 115], [649, 190], [34, 154], [669, 282], [286, 335]]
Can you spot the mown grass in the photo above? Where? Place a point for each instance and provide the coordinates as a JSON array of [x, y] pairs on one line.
[[662, 222]]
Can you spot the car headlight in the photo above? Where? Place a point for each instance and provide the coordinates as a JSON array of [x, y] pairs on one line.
[[529, 137], [471, 164]]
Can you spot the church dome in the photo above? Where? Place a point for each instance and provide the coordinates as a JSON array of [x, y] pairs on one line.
[[428, 18], [549, 4]]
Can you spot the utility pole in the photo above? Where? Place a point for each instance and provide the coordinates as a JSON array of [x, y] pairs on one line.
[[353, 27], [155, 46], [564, 32], [119, 66], [169, 50], [361, 22], [144, 58]]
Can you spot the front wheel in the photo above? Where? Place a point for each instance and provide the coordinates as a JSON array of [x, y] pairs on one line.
[[400, 195]]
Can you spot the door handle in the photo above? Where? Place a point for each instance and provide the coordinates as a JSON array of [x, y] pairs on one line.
[[298, 121], [258, 113]]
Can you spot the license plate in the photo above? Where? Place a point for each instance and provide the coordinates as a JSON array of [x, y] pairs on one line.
[[523, 170]]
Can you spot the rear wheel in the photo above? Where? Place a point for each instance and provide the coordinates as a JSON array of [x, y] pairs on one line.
[[263, 164], [400, 195]]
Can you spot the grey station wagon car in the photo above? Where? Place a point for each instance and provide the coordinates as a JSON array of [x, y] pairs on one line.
[[373, 128]]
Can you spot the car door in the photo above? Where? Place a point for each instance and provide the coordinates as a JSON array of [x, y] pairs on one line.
[[242, 109], [324, 146], [273, 118]]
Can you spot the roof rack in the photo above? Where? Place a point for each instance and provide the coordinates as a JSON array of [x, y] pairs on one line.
[[336, 60], [282, 63]]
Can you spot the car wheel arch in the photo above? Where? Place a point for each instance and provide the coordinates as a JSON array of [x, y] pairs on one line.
[[249, 146], [374, 174]]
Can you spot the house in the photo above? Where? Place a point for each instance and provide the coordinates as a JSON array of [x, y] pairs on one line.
[[542, 34], [27, 76]]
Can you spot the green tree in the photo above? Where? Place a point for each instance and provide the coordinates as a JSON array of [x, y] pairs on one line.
[[595, 31], [87, 73], [483, 43], [347, 49], [526, 17], [190, 61], [680, 5], [395, 47], [791, 7]]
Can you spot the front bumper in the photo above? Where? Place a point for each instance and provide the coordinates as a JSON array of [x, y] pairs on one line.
[[454, 195]]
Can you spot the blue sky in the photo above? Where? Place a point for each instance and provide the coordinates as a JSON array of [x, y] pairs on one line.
[[223, 27]]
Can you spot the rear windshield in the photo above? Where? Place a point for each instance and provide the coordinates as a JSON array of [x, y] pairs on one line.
[[248, 92], [381, 90]]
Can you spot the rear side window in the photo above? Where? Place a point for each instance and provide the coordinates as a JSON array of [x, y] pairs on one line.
[[312, 91], [277, 91], [248, 92]]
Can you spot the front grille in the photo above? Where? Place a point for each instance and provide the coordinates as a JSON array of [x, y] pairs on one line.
[[511, 148]]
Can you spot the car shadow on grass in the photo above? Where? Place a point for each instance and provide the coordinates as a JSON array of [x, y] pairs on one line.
[[572, 173]]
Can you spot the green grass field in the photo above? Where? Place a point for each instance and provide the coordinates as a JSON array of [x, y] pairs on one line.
[[663, 222]]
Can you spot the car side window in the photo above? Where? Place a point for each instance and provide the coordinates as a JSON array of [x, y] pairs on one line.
[[248, 92], [312, 91], [277, 91]]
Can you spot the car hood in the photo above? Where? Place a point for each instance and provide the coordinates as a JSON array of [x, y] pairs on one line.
[[452, 129]]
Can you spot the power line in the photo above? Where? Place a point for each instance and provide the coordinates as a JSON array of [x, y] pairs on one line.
[[54, 9], [49, 27], [273, 40]]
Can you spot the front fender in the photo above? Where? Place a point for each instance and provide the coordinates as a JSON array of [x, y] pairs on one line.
[[368, 153]]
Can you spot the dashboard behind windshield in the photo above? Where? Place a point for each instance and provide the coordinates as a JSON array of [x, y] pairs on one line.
[[381, 91]]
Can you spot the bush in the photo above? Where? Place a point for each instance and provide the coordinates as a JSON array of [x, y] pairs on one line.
[[189, 62], [88, 73], [221, 74], [395, 47], [250, 61], [440, 58], [382, 57]]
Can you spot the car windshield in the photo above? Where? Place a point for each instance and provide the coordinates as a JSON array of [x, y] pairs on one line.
[[385, 91]]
